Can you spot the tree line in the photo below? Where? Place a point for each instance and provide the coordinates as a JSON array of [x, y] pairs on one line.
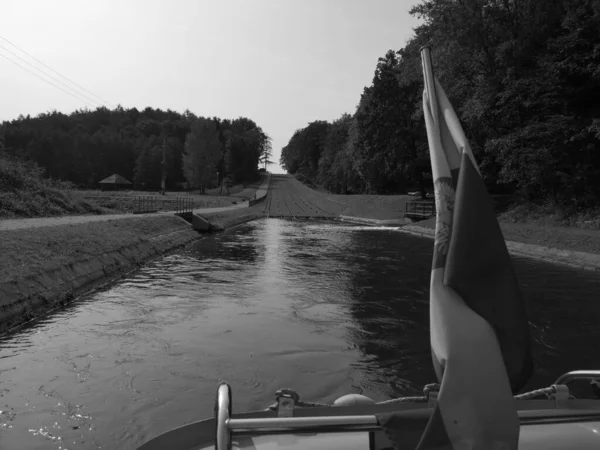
[[524, 78], [87, 146]]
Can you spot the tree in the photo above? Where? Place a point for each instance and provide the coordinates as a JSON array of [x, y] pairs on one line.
[[304, 150], [246, 142], [2, 148], [148, 169], [201, 154], [89, 145], [331, 172], [266, 153], [523, 77]]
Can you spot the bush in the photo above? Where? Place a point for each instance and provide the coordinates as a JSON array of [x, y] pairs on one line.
[[25, 192]]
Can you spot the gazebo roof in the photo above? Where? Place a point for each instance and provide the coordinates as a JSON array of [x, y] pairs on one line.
[[115, 179]]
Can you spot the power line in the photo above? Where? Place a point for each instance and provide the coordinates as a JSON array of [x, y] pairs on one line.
[[50, 68], [55, 79], [43, 79]]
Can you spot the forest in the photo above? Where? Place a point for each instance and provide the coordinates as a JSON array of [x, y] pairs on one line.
[[89, 145], [524, 79]]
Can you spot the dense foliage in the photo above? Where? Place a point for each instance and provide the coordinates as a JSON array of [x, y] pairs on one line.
[[25, 192], [87, 146], [524, 78]]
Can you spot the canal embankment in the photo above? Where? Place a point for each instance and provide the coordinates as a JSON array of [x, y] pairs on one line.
[[44, 267], [579, 248]]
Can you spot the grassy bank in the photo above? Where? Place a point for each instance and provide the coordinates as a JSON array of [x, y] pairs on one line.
[[129, 201], [550, 226], [548, 215], [563, 238], [46, 266], [25, 252]]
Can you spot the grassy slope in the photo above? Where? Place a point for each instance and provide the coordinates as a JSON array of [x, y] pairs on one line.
[[523, 223], [27, 251], [381, 207], [24, 192]]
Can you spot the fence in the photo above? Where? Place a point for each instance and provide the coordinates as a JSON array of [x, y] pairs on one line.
[[139, 204], [419, 209], [184, 204], [145, 204]]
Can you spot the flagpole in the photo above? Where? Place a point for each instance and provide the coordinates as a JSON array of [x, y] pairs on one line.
[[430, 83]]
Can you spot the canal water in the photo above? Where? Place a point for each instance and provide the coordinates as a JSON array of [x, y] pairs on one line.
[[323, 308]]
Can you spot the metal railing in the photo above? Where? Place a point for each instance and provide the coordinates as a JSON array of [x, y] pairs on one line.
[[421, 209], [139, 204], [588, 375], [227, 427], [184, 205], [145, 204]]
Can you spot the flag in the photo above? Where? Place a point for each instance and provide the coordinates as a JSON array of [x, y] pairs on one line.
[[480, 339]]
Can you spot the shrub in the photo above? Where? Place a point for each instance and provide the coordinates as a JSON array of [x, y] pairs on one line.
[[25, 192]]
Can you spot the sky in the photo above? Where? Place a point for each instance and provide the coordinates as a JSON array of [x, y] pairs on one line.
[[281, 63]]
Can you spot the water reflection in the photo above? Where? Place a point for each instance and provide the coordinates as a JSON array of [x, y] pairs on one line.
[[389, 304], [564, 312]]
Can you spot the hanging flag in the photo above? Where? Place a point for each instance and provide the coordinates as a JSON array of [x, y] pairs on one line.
[[479, 330]]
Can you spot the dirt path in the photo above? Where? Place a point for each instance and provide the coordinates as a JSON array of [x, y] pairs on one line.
[[36, 222], [19, 224]]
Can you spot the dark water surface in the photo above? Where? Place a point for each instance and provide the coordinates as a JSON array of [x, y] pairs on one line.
[[326, 309]]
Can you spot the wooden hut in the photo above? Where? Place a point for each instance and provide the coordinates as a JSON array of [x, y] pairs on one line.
[[114, 182]]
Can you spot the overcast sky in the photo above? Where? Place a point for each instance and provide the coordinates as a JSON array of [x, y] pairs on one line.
[[282, 63]]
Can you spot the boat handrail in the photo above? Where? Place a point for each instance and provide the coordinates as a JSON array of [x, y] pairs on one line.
[[321, 423], [222, 417], [335, 424], [591, 375], [226, 426]]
